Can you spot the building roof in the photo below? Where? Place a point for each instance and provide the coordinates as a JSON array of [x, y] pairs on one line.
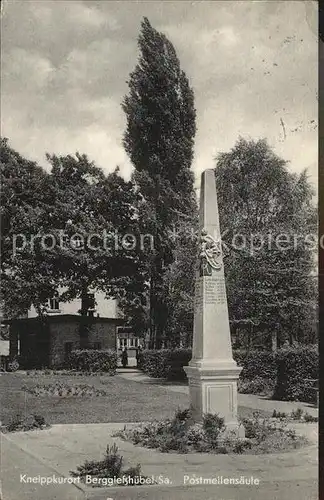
[[61, 318]]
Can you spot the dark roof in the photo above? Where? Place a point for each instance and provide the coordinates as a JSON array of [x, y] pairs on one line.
[[60, 318]]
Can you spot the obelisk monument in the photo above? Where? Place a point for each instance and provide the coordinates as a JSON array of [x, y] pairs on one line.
[[212, 373]]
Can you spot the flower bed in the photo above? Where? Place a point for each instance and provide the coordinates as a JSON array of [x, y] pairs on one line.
[[182, 435], [60, 389]]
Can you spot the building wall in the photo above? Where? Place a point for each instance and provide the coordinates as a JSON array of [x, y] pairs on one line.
[[4, 347], [106, 308], [61, 333]]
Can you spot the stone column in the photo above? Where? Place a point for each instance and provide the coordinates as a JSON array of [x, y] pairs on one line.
[[212, 373]]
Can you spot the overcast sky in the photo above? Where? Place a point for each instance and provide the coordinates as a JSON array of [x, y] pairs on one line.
[[252, 65]]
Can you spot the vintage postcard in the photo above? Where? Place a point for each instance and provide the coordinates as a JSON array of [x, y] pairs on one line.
[[159, 246]]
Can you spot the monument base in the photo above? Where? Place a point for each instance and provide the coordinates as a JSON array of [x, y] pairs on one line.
[[213, 389]]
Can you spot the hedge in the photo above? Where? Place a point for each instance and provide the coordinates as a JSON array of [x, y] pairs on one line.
[[295, 365], [169, 363], [287, 369], [255, 364], [165, 363], [92, 360]]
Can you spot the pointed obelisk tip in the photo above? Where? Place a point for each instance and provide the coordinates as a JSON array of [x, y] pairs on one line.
[[208, 213]]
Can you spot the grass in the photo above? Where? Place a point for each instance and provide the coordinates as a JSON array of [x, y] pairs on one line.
[[125, 400]]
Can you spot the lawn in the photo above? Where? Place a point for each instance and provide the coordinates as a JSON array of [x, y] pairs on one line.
[[125, 401]]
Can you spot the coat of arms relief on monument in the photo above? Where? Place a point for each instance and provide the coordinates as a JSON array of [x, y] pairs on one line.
[[210, 254]]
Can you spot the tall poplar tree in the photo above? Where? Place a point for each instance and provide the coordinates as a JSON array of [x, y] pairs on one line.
[[159, 140]]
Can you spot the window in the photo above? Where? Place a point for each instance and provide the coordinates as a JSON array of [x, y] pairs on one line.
[[97, 346], [131, 342], [54, 304], [122, 342]]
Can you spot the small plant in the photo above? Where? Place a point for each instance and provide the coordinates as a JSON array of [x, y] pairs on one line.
[[13, 366], [15, 424], [110, 468], [297, 414], [278, 414], [213, 426], [309, 418], [40, 420]]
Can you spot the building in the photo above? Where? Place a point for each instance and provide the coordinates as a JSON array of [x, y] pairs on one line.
[[88, 323], [93, 322], [47, 342]]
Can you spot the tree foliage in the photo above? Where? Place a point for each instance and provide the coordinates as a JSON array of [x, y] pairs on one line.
[[266, 213], [85, 213], [25, 199]]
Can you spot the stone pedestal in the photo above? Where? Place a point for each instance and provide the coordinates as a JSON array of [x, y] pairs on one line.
[[214, 390], [212, 373]]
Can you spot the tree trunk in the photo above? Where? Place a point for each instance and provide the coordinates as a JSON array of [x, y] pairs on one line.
[[274, 340]]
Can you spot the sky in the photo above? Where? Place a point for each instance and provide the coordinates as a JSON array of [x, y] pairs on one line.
[[252, 65]]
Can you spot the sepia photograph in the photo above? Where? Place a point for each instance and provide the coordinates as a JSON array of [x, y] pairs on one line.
[[159, 250]]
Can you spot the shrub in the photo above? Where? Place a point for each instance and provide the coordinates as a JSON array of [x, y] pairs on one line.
[[165, 363], [294, 366], [176, 360], [92, 360], [280, 374], [154, 363], [213, 426], [107, 470], [169, 363], [28, 423]]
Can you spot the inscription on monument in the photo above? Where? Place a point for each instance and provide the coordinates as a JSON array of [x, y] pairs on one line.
[[210, 291], [199, 300], [215, 291]]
